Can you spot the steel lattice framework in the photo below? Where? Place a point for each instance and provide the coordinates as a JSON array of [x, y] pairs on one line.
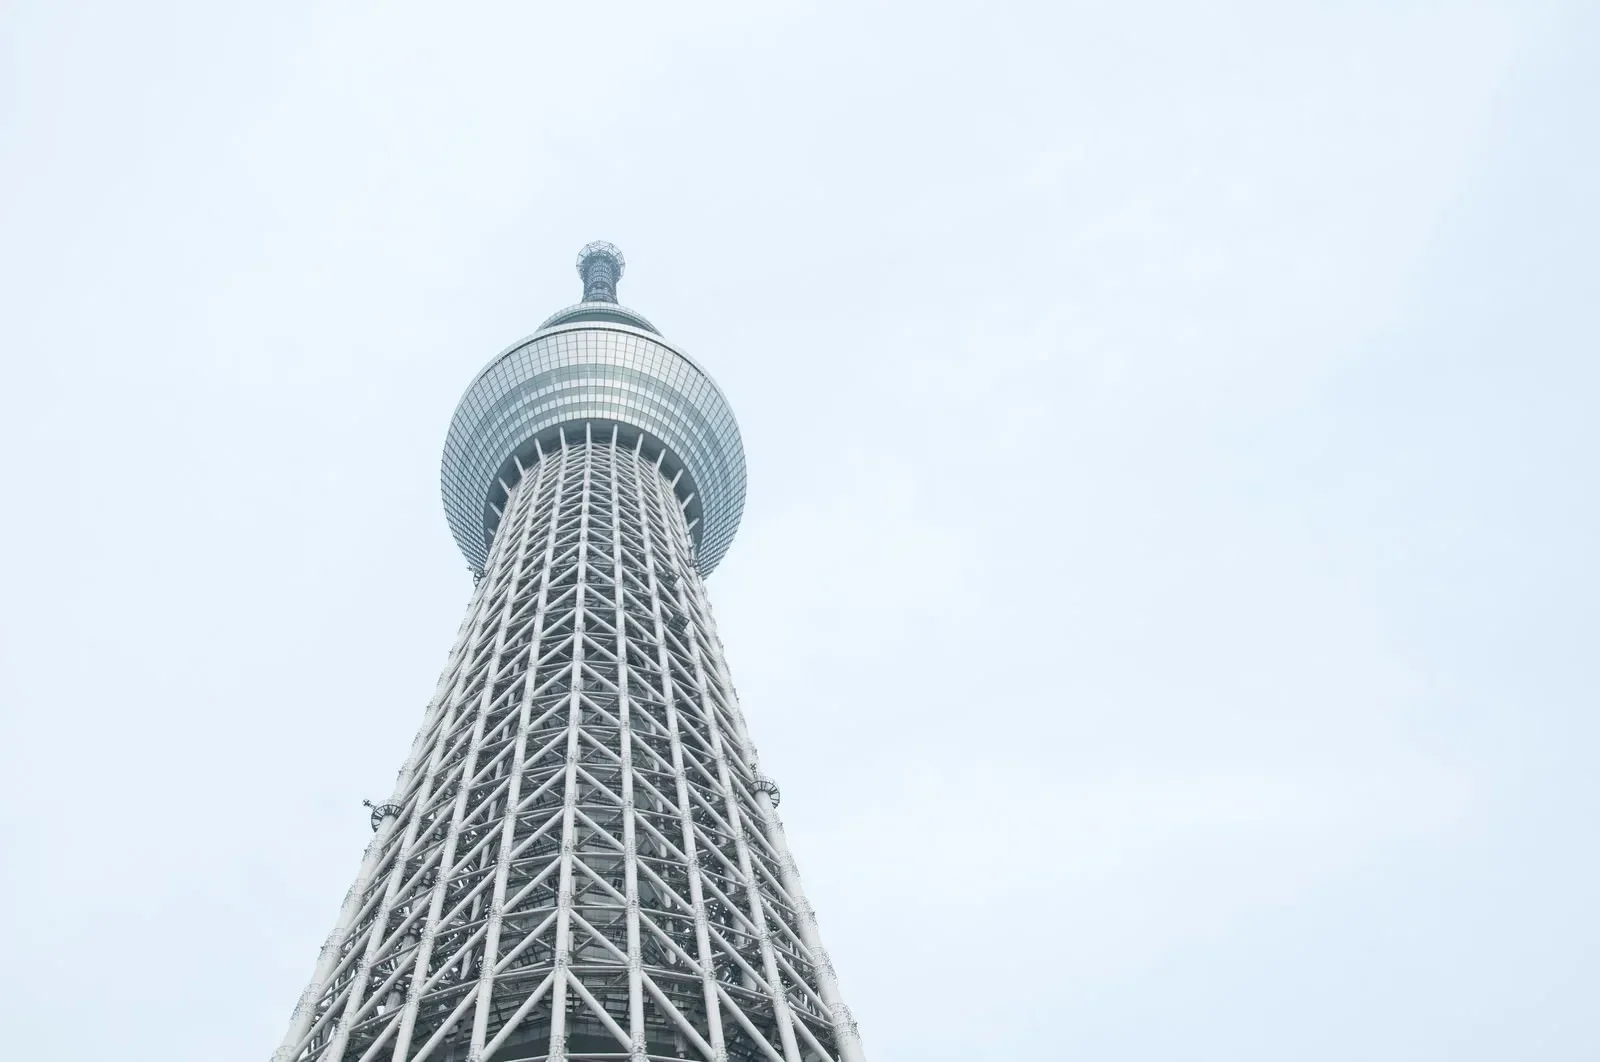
[[581, 859]]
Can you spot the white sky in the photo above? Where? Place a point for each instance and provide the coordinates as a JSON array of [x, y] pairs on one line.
[[1167, 595]]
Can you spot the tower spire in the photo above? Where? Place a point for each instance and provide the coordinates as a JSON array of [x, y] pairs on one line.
[[600, 265]]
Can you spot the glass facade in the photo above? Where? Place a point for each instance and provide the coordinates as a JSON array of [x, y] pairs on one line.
[[591, 371]]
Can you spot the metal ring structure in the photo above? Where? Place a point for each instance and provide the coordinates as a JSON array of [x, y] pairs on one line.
[[592, 370], [768, 786], [380, 812]]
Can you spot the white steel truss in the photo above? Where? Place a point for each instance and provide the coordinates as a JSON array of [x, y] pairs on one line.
[[580, 859]]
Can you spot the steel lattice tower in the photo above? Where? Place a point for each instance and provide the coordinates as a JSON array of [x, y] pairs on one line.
[[581, 859]]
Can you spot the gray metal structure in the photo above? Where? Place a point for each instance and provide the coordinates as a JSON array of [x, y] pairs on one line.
[[581, 859]]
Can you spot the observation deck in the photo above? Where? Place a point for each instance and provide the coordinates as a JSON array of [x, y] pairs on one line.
[[590, 370]]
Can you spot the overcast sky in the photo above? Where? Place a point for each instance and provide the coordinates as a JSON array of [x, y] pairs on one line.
[[1167, 595]]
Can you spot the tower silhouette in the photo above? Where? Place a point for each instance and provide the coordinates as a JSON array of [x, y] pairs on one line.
[[581, 858]]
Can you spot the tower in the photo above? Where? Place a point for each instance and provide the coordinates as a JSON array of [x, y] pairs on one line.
[[581, 859]]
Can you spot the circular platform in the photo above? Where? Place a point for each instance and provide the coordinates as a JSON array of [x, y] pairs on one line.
[[592, 369]]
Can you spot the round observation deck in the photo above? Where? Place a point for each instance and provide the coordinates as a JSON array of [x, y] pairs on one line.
[[593, 371]]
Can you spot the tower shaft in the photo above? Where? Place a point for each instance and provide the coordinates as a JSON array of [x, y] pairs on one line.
[[580, 859]]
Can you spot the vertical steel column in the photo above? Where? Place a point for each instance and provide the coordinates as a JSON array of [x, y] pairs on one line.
[[563, 957], [846, 1036], [530, 491], [328, 957], [669, 699], [424, 950], [679, 544], [630, 840]]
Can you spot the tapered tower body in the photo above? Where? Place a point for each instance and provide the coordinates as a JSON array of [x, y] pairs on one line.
[[581, 858]]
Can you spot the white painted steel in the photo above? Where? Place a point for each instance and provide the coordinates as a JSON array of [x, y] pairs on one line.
[[584, 865]]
